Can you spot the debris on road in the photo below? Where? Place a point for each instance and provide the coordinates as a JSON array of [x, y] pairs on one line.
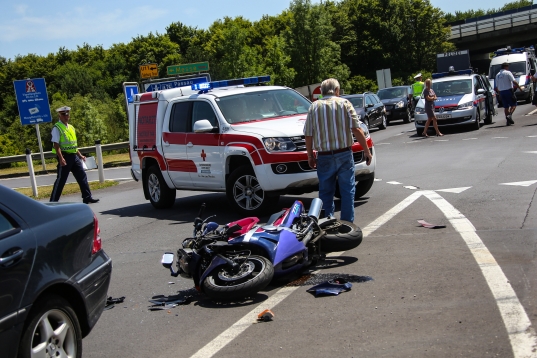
[[265, 316], [430, 226], [331, 288], [110, 302], [163, 303]]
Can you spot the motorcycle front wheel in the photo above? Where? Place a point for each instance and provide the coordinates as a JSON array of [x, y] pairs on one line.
[[254, 275], [342, 237]]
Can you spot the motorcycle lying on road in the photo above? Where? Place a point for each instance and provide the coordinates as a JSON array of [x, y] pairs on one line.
[[241, 258]]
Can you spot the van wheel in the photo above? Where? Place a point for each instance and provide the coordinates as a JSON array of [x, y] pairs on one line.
[[160, 195], [245, 193]]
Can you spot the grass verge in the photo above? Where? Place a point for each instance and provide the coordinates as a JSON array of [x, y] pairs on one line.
[[44, 192]]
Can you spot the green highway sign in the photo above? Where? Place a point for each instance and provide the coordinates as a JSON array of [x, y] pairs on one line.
[[188, 68]]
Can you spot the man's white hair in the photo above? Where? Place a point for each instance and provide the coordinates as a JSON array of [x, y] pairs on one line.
[[329, 86]]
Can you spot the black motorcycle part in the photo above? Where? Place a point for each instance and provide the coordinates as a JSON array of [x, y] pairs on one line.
[[225, 283], [183, 257], [343, 237]]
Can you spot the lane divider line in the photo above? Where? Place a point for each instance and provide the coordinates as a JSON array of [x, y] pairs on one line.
[[224, 338], [521, 333]]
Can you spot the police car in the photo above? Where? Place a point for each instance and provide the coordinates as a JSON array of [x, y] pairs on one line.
[[227, 136], [464, 99]]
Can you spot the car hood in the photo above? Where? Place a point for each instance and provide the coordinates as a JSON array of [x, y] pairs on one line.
[[290, 126], [449, 101], [393, 100]]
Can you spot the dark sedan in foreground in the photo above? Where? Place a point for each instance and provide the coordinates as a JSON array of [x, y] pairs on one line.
[[398, 103], [54, 276]]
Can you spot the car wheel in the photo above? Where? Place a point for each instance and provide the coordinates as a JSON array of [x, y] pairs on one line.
[[383, 122], [408, 117], [52, 330], [476, 125], [245, 193], [160, 195]]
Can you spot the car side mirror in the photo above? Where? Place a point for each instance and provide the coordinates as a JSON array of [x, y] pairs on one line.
[[369, 105], [481, 91], [203, 126]]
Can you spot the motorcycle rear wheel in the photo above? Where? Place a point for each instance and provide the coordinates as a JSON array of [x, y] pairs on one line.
[[344, 237], [223, 285]]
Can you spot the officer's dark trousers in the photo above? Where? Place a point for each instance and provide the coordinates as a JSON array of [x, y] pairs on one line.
[[74, 165]]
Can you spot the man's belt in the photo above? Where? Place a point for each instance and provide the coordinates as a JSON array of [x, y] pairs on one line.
[[332, 152]]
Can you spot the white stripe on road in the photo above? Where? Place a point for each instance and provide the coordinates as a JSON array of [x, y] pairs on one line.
[[499, 137], [518, 325], [246, 321], [469, 138]]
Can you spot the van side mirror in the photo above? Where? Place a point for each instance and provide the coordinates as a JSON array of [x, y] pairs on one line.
[[203, 126]]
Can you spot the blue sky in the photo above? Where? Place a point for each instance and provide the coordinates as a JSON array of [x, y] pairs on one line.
[[42, 27]]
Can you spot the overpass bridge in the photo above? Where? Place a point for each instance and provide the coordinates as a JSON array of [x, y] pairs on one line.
[[485, 34]]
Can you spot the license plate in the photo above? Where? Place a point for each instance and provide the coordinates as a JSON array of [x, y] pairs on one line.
[[443, 116]]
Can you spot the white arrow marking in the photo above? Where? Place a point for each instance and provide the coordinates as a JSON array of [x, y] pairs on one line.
[[531, 152], [411, 187], [393, 182], [516, 321], [521, 183], [454, 190]]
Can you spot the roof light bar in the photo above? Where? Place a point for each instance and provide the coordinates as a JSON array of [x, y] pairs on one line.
[[452, 73], [226, 83], [508, 50]]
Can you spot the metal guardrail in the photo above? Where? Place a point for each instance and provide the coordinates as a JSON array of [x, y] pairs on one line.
[[84, 150], [494, 23]]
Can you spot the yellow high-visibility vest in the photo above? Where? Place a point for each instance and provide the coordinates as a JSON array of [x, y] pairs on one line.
[[67, 139]]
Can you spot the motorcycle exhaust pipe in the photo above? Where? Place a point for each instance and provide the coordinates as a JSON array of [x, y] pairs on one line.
[[315, 208]]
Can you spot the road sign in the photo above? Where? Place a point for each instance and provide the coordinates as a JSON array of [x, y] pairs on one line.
[[32, 99], [150, 87], [130, 91], [316, 93], [188, 68], [149, 70]]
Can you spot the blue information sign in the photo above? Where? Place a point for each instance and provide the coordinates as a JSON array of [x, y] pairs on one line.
[[32, 99], [130, 91], [150, 87]]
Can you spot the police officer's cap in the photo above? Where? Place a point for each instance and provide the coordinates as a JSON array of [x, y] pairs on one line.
[[418, 75], [63, 109]]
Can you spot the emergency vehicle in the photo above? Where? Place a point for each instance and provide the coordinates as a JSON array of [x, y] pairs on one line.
[[227, 136]]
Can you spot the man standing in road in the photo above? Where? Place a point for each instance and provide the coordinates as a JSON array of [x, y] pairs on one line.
[[503, 83], [417, 88], [69, 158], [329, 127]]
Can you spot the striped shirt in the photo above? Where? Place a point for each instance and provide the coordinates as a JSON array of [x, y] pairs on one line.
[[329, 122]]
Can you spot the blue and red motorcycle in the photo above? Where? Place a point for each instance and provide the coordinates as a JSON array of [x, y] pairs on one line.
[[241, 258]]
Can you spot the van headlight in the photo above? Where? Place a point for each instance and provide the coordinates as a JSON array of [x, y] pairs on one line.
[[279, 144], [467, 105], [419, 110], [400, 104]]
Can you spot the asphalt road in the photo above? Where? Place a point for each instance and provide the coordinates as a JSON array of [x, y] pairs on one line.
[[467, 290]]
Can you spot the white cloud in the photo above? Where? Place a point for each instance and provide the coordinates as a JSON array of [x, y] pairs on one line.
[[81, 23], [21, 9]]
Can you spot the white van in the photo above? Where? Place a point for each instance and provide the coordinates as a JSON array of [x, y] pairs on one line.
[[522, 64]]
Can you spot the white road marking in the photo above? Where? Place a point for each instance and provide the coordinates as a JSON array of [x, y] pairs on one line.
[[469, 138], [411, 187], [532, 112], [381, 143], [377, 179], [242, 324], [531, 152], [393, 182], [531, 136], [499, 137], [400, 134], [521, 183], [521, 333], [454, 190], [441, 140]]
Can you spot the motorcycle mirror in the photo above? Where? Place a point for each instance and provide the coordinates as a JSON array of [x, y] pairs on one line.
[[167, 259]]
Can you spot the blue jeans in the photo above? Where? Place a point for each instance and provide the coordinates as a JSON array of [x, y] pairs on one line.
[[340, 165]]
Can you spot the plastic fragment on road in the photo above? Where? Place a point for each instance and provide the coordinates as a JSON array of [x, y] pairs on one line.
[[331, 288], [163, 303], [265, 316], [430, 226], [110, 302]]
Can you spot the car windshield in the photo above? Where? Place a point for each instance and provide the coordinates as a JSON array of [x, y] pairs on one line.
[[356, 101], [246, 107], [388, 93], [454, 87], [516, 68]]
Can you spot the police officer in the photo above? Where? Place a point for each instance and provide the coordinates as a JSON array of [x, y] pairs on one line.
[[69, 158], [417, 88]]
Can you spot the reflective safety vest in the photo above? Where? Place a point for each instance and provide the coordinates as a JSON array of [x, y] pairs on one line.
[[417, 87], [67, 139]]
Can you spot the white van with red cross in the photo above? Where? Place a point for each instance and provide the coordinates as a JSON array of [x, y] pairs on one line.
[[227, 136]]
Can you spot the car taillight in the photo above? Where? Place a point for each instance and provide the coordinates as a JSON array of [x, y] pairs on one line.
[[97, 244]]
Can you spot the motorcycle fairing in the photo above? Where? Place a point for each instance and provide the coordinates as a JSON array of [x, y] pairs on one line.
[[292, 213], [217, 261]]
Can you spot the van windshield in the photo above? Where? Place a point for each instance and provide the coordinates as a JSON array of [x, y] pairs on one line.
[[253, 106], [454, 87], [516, 68]]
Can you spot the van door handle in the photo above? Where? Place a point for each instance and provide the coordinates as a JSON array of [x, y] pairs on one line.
[[189, 145], [6, 261], [166, 144]]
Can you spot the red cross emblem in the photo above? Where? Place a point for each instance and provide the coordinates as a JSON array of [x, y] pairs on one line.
[[203, 155]]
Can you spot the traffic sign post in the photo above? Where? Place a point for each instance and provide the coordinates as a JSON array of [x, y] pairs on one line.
[[149, 70], [188, 68], [158, 86], [32, 100]]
